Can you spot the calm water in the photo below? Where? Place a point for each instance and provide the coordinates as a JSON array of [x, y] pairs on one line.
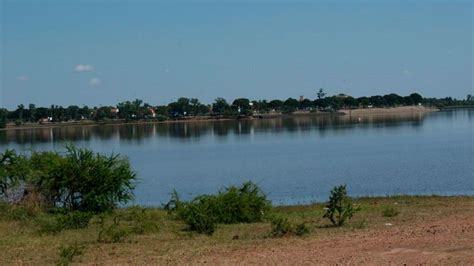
[[295, 160]]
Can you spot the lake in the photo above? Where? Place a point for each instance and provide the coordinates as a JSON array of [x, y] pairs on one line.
[[295, 159]]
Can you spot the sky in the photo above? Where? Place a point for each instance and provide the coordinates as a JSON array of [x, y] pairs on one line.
[[93, 53]]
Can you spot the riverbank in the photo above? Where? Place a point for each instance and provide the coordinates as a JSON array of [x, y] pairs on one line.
[[351, 112], [432, 230], [391, 111]]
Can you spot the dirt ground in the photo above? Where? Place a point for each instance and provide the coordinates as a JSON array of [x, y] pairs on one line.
[[446, 241]]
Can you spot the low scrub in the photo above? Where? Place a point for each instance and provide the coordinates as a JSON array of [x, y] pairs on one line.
[[243, 204], [55, 223], [282, 227], [68, 252], [390, 212]]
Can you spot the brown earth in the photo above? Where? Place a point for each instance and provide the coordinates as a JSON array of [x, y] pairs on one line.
[[446, 241]]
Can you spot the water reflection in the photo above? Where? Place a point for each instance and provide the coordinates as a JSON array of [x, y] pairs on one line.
[[185, 131]]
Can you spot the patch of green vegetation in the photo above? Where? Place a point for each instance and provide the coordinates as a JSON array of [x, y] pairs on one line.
[[340, 207], [282, 227], [244, 204], [390, 212], [68, 252]]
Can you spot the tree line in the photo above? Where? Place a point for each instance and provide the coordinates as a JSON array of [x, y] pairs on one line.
[[192, 107]]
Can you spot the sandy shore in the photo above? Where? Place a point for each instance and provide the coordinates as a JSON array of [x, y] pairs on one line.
[[393, 110], [352, 112]]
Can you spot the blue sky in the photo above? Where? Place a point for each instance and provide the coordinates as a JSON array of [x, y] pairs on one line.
[[103, 52]]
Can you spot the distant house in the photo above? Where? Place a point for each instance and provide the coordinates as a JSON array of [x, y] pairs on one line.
[[45, 120], [152, 112], [114, 110]]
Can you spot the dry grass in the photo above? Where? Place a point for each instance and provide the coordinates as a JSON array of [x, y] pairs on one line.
[[21, 243]]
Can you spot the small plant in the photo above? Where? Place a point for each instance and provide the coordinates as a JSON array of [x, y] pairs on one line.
[[361, 224], [301, 229], [390, 212], [280, 227], [68, 252], [339, 208], [141, 221], [113, 233]]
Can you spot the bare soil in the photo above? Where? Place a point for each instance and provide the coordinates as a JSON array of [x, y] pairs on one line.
[[446, 241]]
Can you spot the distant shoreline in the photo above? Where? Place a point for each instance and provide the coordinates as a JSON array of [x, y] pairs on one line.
[[342, 112]]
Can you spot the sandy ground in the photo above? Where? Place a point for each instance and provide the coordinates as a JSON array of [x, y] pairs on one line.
[[446, 241], [395, 110]]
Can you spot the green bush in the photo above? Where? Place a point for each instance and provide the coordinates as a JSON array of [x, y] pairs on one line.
[[201, 214], [55, 223], [301, 229], [161, 118], [13, 170], [140, 220], [244, 204], [282, 227], [16, 213], [68, 252], [79, 180], [112, 233], [74, 219], [390, 212], [340, 207], [82, 180]]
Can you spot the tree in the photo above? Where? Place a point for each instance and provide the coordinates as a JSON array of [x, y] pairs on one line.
[[242, 106], [290, 105], [321, 94], [3, 117], [32, 110], [276, 105], [220, 106], [469, 98], [417, 98]]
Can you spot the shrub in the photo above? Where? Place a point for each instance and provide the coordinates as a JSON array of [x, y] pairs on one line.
[[244, 204], [340, 207], [201, 214], [390, 212], [112, 233], [16, 213], [301, 229], [53, 224], [161, 118], [280, 227], [83, 180], [74, 220], [13, 170], [140, 221], [68, 252]]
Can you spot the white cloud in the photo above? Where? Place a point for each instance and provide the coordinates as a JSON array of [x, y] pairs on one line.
[[406, 72], [23, 78], [95, 81], [83, 68]]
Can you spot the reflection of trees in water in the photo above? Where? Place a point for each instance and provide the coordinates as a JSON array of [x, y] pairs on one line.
[[220, 129]]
